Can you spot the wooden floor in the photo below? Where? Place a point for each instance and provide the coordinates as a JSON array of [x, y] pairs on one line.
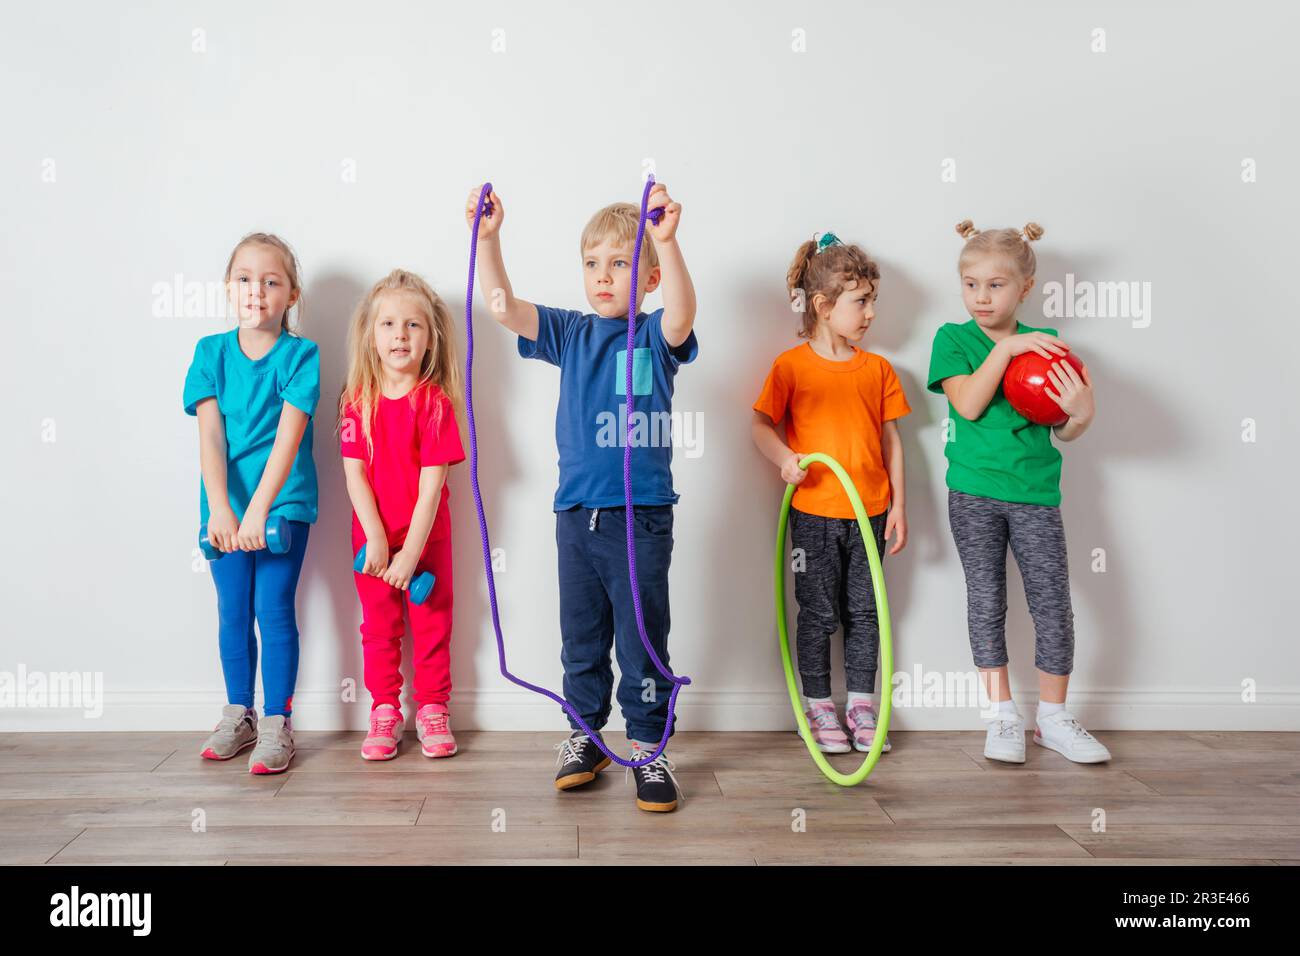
[[98, 798]]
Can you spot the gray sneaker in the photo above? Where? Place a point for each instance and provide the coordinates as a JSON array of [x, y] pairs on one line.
[[274, 747], [237, 731]]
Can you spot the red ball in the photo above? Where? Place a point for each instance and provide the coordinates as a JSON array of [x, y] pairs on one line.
[[1025, 385]]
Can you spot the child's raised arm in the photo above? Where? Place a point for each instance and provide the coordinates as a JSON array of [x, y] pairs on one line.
[[223, 525], [674, 279], [517, 315]]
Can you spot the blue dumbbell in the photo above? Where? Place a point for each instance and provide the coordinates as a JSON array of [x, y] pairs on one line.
[[279, 538], [421, 584]]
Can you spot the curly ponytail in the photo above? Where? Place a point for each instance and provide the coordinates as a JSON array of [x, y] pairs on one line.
[[826, 272]]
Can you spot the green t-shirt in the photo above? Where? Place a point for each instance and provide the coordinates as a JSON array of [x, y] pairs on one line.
[[1001, 454]]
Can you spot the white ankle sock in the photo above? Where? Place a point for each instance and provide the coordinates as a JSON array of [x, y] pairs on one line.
[[1007, 706], [809, 701], [856, 697], [1046, 709]]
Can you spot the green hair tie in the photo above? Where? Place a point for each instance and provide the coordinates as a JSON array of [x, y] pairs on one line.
[[827, 239]]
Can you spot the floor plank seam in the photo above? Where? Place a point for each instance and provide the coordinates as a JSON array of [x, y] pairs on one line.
[[982, 765], [65, 846], [1147, 785], [164, 760], [1066, 834]]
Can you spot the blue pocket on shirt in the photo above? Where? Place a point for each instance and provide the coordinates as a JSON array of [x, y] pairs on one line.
[[642, 379]]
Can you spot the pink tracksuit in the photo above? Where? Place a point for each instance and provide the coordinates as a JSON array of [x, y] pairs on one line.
[[407, 434]]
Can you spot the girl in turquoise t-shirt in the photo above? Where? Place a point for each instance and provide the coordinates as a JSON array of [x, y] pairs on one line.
[[254, 390], [1004, 488]]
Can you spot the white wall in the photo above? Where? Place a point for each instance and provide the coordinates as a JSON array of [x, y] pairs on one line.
[[162, 156]]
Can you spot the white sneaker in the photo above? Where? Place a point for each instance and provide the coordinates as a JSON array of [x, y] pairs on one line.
[[1005, 740], [1062, 733]]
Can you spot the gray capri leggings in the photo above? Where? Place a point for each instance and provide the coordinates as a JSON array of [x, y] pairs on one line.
[[836, 588], [982, 528]]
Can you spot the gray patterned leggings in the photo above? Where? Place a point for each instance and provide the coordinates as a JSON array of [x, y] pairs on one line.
[[835, 587], [982, 528]]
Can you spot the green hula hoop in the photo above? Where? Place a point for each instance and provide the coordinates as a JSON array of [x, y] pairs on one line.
[[882, 615]]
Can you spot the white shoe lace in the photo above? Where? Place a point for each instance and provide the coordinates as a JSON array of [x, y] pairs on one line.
[[1074, 727], [570, 749], [654, 771], [1007, 727]]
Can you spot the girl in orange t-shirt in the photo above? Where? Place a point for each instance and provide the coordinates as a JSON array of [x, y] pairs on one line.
[[842, 401]]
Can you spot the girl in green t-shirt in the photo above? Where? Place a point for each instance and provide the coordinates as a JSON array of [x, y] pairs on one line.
[[1004, 487]]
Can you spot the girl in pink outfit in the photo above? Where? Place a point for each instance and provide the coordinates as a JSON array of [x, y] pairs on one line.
[[398, 436]]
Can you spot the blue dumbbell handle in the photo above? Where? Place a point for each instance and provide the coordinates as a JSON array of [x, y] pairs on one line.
[[421, 585], [279, 538]]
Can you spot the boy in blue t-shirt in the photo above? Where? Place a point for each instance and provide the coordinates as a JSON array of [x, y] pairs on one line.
[[596, 610]]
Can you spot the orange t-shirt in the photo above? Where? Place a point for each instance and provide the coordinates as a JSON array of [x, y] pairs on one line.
[[836, 408]]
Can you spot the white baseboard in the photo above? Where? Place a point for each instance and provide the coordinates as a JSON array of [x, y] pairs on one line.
[[517, 709]]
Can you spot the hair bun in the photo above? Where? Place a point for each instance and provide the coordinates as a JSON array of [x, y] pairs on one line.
[[1032, 231], [966, 229]]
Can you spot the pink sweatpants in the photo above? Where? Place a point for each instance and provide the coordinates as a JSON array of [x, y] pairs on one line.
[[382, 628]]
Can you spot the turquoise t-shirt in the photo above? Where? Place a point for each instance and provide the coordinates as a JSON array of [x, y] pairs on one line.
[[251, 395], [1001, 454]]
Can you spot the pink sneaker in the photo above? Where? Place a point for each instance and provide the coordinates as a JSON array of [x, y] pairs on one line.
[[386, 726], [827, 733], [862, 722], [435, 733]]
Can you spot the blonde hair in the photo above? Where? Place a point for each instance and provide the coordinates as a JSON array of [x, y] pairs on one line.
[[290, 268], [1010, 244], [438, 366], [826, 272], [617, 221]]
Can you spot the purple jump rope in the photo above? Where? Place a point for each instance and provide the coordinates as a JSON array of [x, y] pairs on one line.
[[485, 208]]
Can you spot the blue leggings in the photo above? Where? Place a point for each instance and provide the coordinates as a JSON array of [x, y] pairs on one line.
[[261, 586]]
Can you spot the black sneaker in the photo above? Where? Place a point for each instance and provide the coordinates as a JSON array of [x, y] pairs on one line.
[[579, 761], [656, 787]]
